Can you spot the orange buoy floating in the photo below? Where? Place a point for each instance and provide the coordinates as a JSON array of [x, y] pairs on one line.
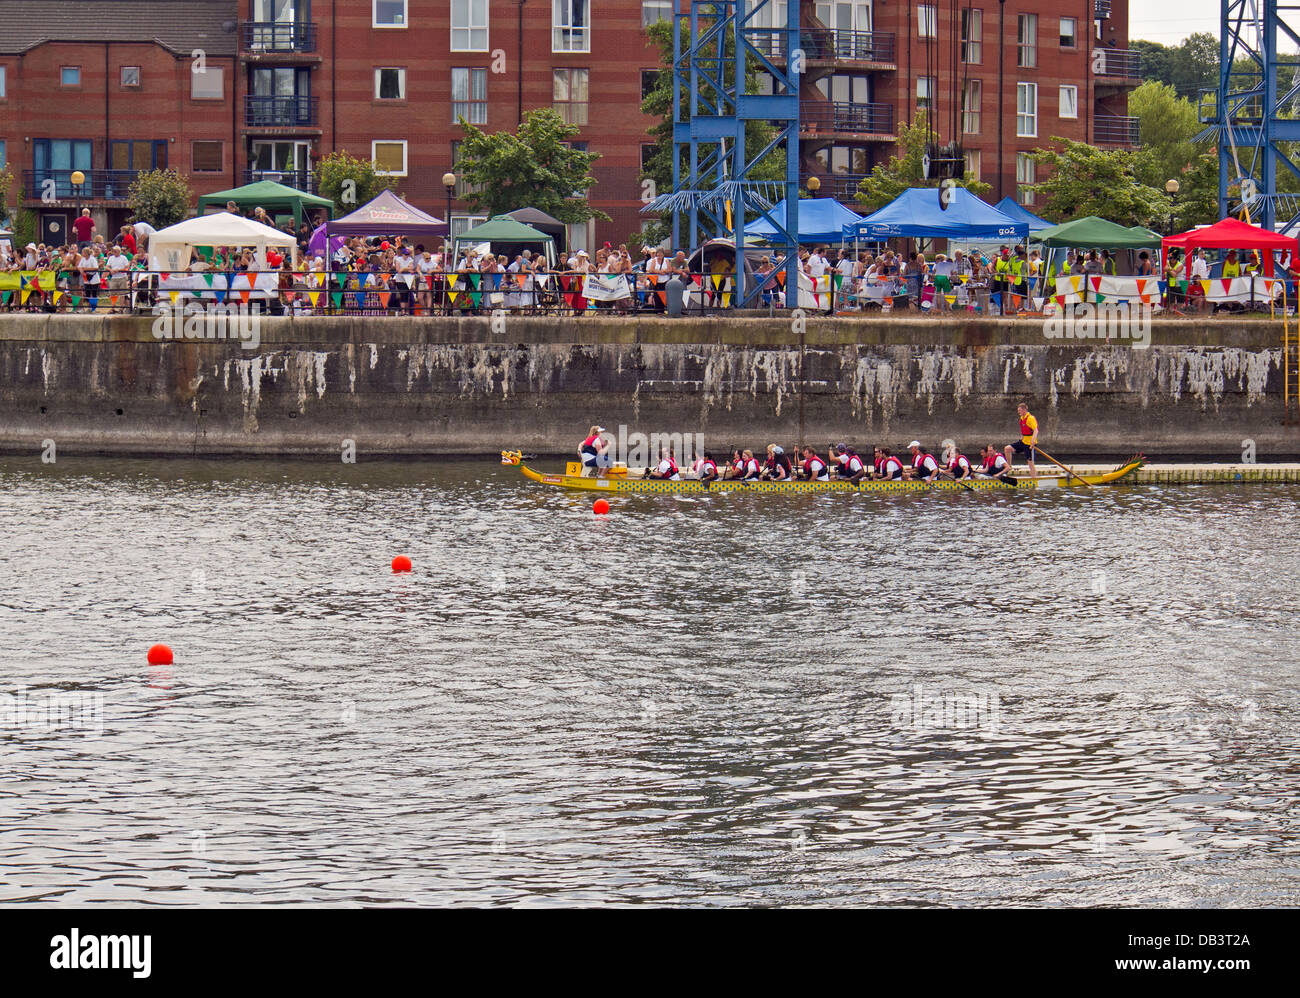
[[160, 655], [601, 506], [401, 563]]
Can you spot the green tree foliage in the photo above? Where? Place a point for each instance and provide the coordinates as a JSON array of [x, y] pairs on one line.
[[532, 169], [888, 180], [1084, 180], [349, 182], [657, 178], [1188, 67], [1168, 125], [1197, 200], [160, 197], [6, 182]]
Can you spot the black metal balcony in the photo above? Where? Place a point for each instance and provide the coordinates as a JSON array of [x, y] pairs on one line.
[[828, 44], [301, 180], [1115, 130], [845, 117], [100, 185], [842, 187], [1123, 64], [1101, 9], [280, 112], [279, 36]]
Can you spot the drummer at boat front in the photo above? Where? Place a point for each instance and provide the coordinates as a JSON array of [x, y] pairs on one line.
[[995, 465], [850, 468], [924, 466], [666, 468], [814, 468], [1028, 438], [594, 452]]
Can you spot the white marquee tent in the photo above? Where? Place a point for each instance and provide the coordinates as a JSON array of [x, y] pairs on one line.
[[170, 248]]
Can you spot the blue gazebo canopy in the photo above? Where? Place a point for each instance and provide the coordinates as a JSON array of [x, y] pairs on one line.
[[918, 213], [1009, 208], [821, 220]]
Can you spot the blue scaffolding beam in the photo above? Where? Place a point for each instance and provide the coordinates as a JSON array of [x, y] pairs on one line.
[[715, 190], [1249, 113]]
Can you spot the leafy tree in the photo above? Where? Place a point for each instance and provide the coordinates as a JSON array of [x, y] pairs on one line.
[[1197, 200], [1168, 125], [335, 171], [1085, 180], [888, 180], [658, 174], [1188, 67], [533, 169], [160, 197], [6, 182]]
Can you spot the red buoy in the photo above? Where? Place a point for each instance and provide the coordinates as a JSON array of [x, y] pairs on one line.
[[160, 655], [401, 563], [601, 506]]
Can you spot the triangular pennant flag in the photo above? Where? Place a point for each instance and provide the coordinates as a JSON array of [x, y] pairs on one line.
[[313, 297], [243, 296], [663, 297], [289, 296], [360, 299], [113, 300], [1096, 282], [337, 298], [839, 281], [173, 295], [451, 280], [219, 294], [717, 281], [165, 276], [383, 298], [696, 279], [1074, 283], [23, 279], [950, 299], [26, 293], [521, 279], [476, 297], [451, 296], [726, 298], [1227, 285], [4, 298], [207, 279], [564, 281], [474, 281]]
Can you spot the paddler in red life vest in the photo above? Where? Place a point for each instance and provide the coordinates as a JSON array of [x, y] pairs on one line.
[[814, 468], [749, 467], [924, 466], [594, 452], [708, 468], [1028, 438], [736, 466], [667, 467], [777, 467], [851, 467], [995, 465], [958, 465], [888, 467]]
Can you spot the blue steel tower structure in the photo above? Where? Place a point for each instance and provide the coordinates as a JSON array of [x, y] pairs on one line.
[[714, 190], [1247, 111]]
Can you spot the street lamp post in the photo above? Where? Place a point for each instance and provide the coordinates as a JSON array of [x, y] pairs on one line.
[[78, 178], [449, 182], [814, 185], [1171, 188]]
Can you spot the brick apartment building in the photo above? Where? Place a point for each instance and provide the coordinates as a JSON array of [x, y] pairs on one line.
[[109, 87]]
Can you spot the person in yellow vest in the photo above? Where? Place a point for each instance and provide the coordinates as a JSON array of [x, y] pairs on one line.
[[1231, 266], [1002, 275], [1028, 438]]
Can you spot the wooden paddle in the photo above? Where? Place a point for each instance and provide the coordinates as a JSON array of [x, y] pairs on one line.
[[949, 474], [1060, 465]]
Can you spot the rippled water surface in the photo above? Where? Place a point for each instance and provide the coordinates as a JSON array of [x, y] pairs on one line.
[[1066, 699]]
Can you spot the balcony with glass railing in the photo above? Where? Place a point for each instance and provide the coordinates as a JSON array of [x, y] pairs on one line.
[[1115, 130], [301, 180], [846, 118], [830, 45], [57, 185], [278, 37], [281, 112]]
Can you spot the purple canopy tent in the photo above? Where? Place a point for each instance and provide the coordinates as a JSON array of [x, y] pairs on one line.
[[387, 215], [316, 244]]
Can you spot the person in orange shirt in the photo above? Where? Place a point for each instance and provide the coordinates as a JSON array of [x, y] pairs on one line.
[[1028, 438]]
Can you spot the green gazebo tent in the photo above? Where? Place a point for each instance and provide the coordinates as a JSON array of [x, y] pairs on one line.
[[275, 198], [1092, 231], [508, 236]]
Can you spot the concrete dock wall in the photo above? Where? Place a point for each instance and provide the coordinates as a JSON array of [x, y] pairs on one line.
[[443, 386]]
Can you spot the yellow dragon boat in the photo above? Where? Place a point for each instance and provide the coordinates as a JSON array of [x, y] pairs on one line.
[[618, 480]]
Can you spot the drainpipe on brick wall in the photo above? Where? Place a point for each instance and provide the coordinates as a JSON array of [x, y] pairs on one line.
[[1002, 113], [519, 61], [334, 114]]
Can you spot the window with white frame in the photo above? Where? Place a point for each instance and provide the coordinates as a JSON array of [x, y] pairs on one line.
[[208, 84], [569, 95], [390, 83], [924, 91], [469, 96], [1069, 33], [1027, 110], [972, 97], [130, 76], [1024, 176], [656, 10], [1027, 41], [972, 35], [388, 14], [571, 26], [1069, 102], [972, 157], [469, 25], [463, 223], [925, 23], [389, 157]]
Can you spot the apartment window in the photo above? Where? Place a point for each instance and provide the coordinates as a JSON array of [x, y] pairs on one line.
[[1027, 110], [462, 223], [655, 10], [972, 97], [70, 76], [3, 91], [649, 80], [469, 25], [1069, 102], [924, 91], [390, 83], [972, 157], [127, 154], [60, 154], [925, 20], [207, 157], [3, 160], [972, 35], [469, 96], [1024, 176], [209, 84], [571, 26], [389, 14], [569, 95], [389, 157], [1027, 41], [1069, 33], [130, 76]]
